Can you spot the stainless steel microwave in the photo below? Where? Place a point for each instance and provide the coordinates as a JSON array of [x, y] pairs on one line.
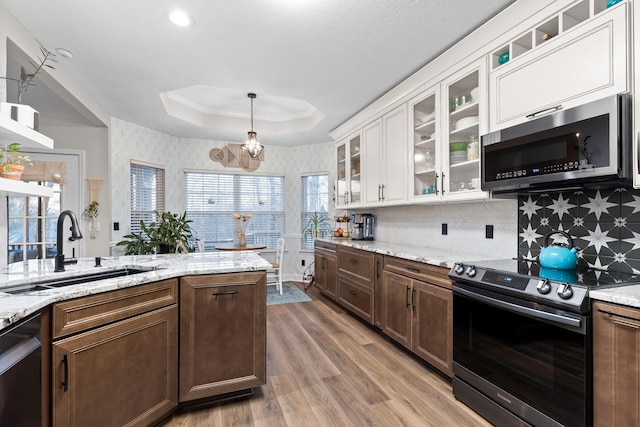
[[582, 146]]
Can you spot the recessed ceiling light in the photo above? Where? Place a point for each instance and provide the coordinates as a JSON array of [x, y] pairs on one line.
[[181, 19]]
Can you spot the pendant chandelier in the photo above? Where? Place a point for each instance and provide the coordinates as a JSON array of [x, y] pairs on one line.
[[252, 145]]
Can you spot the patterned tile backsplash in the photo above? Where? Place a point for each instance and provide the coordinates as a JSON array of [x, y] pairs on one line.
[[603, 224]]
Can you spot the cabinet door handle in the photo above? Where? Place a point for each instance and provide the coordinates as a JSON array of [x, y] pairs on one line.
[[545, 111], [437, 184], [628, 321], [406, 298], [442, 182], [219, 294], [65, 380], [382, 198], [378, 269], [413, 299], [379, 188]]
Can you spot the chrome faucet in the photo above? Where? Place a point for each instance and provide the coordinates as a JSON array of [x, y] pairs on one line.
[[75, 235]]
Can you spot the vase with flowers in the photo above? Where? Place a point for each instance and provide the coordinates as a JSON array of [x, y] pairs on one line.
[[240, 237]]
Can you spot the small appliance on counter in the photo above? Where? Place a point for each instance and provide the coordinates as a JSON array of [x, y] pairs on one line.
[[363, 225]]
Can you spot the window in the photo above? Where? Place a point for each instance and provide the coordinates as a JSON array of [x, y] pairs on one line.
[[147, 193], [211, 199], [315, 201], [32, 225]]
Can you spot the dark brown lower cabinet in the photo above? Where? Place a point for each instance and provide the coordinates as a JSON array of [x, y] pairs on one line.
[[616, 365], [222, 334], [418, 315], [326, 266], [121, 374]]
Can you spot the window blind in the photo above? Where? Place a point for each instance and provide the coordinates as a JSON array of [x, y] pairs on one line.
[[315, 200], [211, 198], [147, 193]]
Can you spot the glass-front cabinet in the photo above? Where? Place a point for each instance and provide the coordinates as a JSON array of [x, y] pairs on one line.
[[426, 149], [447, 122], [348, 181]]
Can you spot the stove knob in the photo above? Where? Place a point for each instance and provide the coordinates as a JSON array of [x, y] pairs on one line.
[[471, 271], [459, 268], [565, 291], [544, 287]]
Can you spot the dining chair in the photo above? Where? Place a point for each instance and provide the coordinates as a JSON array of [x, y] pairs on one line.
[[274, 275]]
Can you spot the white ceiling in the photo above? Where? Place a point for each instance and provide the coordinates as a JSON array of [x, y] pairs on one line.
[[333, 56]]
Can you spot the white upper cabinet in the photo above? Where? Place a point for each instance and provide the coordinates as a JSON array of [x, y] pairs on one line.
[[446, 122], [11, 131], [576, 56], [384, 159], [348, 192]]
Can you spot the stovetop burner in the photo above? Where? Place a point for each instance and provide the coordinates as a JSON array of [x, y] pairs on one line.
[[526, 279], [581, 276]]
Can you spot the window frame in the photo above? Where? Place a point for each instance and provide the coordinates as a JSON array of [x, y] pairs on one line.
[[156, 199], [306, 241], [221, 195]]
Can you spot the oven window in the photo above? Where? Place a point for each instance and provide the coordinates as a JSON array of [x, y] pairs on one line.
[[543, 365]]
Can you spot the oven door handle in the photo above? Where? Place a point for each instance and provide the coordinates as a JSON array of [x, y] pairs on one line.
[[569, 321]]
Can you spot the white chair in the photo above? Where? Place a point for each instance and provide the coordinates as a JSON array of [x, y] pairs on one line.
[[200, 245], [274, 275]]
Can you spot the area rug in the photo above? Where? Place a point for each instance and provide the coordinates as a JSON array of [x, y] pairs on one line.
[[290, 293]]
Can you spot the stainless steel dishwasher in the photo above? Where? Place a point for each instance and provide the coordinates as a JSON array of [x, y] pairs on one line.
[[20, 374]]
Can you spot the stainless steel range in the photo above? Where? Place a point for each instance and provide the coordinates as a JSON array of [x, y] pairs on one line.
[[522, 340]]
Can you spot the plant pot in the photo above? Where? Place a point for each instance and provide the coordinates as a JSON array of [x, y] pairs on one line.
[[165, 249], [22, 114], [14, 172]]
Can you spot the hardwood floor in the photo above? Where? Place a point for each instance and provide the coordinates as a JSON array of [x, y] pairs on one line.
[[326, 368]]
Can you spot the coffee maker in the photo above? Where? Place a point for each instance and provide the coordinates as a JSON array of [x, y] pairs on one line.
[[363, 225]]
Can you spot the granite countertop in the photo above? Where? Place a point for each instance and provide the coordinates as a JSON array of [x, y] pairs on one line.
[[628, 295], [434, 256], [624, 295], [160, 267]]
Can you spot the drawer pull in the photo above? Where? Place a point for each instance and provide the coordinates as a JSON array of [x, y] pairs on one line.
[[65, 381], [353, 261], [545, 111], [413, 269], [354, 293], [220, 294], [621, 319]]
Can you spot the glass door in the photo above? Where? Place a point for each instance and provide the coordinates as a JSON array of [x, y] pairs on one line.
[[355, 191], [425, 147], [463, 130], [341, 175], [348, 182]]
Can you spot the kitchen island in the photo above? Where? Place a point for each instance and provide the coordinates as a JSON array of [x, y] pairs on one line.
[[175, 330], [14, 307]]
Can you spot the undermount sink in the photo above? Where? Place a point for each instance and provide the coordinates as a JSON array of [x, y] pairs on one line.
[[68, 281]]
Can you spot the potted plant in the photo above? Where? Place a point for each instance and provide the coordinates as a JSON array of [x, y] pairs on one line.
[[317, 225], [23, 113], [170, 233], [12, 163]]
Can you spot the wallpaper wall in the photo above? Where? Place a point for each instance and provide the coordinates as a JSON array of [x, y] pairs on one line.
[[603, 224], [131, 141]]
